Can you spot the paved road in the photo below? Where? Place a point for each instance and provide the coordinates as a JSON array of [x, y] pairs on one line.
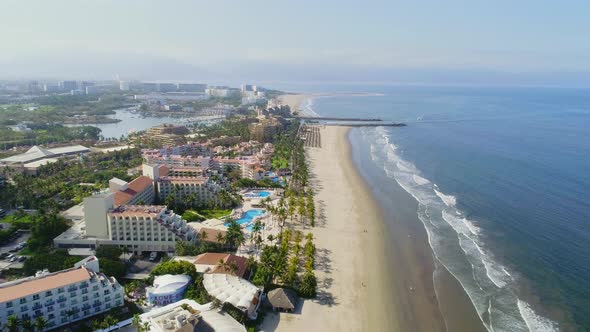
[[5, 264]]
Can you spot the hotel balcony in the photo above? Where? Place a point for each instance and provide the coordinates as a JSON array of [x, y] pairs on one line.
[[50, 302]]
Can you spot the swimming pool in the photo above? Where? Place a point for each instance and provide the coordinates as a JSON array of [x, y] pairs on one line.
[[247, 218], [257, 194]]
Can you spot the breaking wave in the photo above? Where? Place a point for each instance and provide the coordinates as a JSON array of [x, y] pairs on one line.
[[457, 243]]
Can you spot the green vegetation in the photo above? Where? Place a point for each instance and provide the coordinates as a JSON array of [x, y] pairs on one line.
[[43, 228], [175, 267], [280, 264], [226, 128], [215, 213], [192, 215], [284, 145], [63, 184], [264, 183], [222, 201], [46, 134], [196, 291], [110, 262], [52, 260]]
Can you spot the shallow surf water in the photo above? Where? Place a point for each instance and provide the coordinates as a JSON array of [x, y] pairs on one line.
[[499, 178]]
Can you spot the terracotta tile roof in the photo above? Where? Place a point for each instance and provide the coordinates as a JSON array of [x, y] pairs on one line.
[[133, 188], [210, 258], [42, 284], [229, 259], [212, 234]]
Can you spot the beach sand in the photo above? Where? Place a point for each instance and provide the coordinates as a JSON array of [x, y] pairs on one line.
[[363, 283], [294, 101]]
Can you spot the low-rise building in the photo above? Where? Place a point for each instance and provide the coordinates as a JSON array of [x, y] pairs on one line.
[[189, 316], [234, 290], [168, 288], [61, 297], [37, 156], [211, 262]]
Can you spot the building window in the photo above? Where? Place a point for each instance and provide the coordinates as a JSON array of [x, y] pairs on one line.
[[24, 308], [48, 293], [36, 297], [9, 304], [60, 290]]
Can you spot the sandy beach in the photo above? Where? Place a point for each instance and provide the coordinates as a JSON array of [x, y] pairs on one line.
[[294, 101], [361, 284], [350, 276]]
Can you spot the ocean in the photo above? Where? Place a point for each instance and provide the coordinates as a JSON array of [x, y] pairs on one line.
[[502, 181]]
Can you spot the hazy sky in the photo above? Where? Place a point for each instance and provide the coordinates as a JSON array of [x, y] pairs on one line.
[[144, 38]]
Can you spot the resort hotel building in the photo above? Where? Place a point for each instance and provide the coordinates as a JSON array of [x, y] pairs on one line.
[[181, 181], [136, 227], [61, 297]]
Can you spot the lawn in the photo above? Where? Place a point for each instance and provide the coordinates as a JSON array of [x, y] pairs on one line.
[[192, 215]]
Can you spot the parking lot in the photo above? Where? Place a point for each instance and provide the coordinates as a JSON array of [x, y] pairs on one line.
[[140, 267], [4, 263]]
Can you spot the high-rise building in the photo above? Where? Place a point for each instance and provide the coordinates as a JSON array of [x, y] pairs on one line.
[[191, 87], [167, 87], [123, 85], [48, 87], [68, 85]]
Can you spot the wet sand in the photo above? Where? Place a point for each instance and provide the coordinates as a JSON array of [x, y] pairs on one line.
[[371, 275]]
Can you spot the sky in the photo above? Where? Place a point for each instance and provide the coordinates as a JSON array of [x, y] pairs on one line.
[[452, 40]]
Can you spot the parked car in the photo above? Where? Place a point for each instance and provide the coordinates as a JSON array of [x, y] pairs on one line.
[[13, 259], [3, 255], [9, 256], [22, 258]]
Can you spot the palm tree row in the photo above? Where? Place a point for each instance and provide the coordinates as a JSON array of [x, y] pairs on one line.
[[14, 324]]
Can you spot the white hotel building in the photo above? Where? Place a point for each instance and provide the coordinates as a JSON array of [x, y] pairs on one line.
[[61, 297], [137, 227]]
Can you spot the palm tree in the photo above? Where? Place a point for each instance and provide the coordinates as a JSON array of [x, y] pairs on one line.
[[27, 325], [203, 236], [141, 326], [40, 323], [12, 323], [125, 251], [219, 238], [291, 204], [301, 208]]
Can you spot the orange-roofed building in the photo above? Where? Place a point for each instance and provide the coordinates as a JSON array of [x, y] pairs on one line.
[[221, 263], [61, 297]]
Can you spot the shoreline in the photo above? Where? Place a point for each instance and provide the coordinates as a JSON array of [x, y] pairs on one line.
[[428, 296], [350, 271], [372, 276]]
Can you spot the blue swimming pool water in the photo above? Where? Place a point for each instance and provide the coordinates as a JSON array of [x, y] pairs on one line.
[[247, 217], [257, 194]]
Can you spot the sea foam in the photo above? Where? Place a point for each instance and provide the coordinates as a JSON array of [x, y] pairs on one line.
[[533, 321], [486, 281], [449, 200]]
